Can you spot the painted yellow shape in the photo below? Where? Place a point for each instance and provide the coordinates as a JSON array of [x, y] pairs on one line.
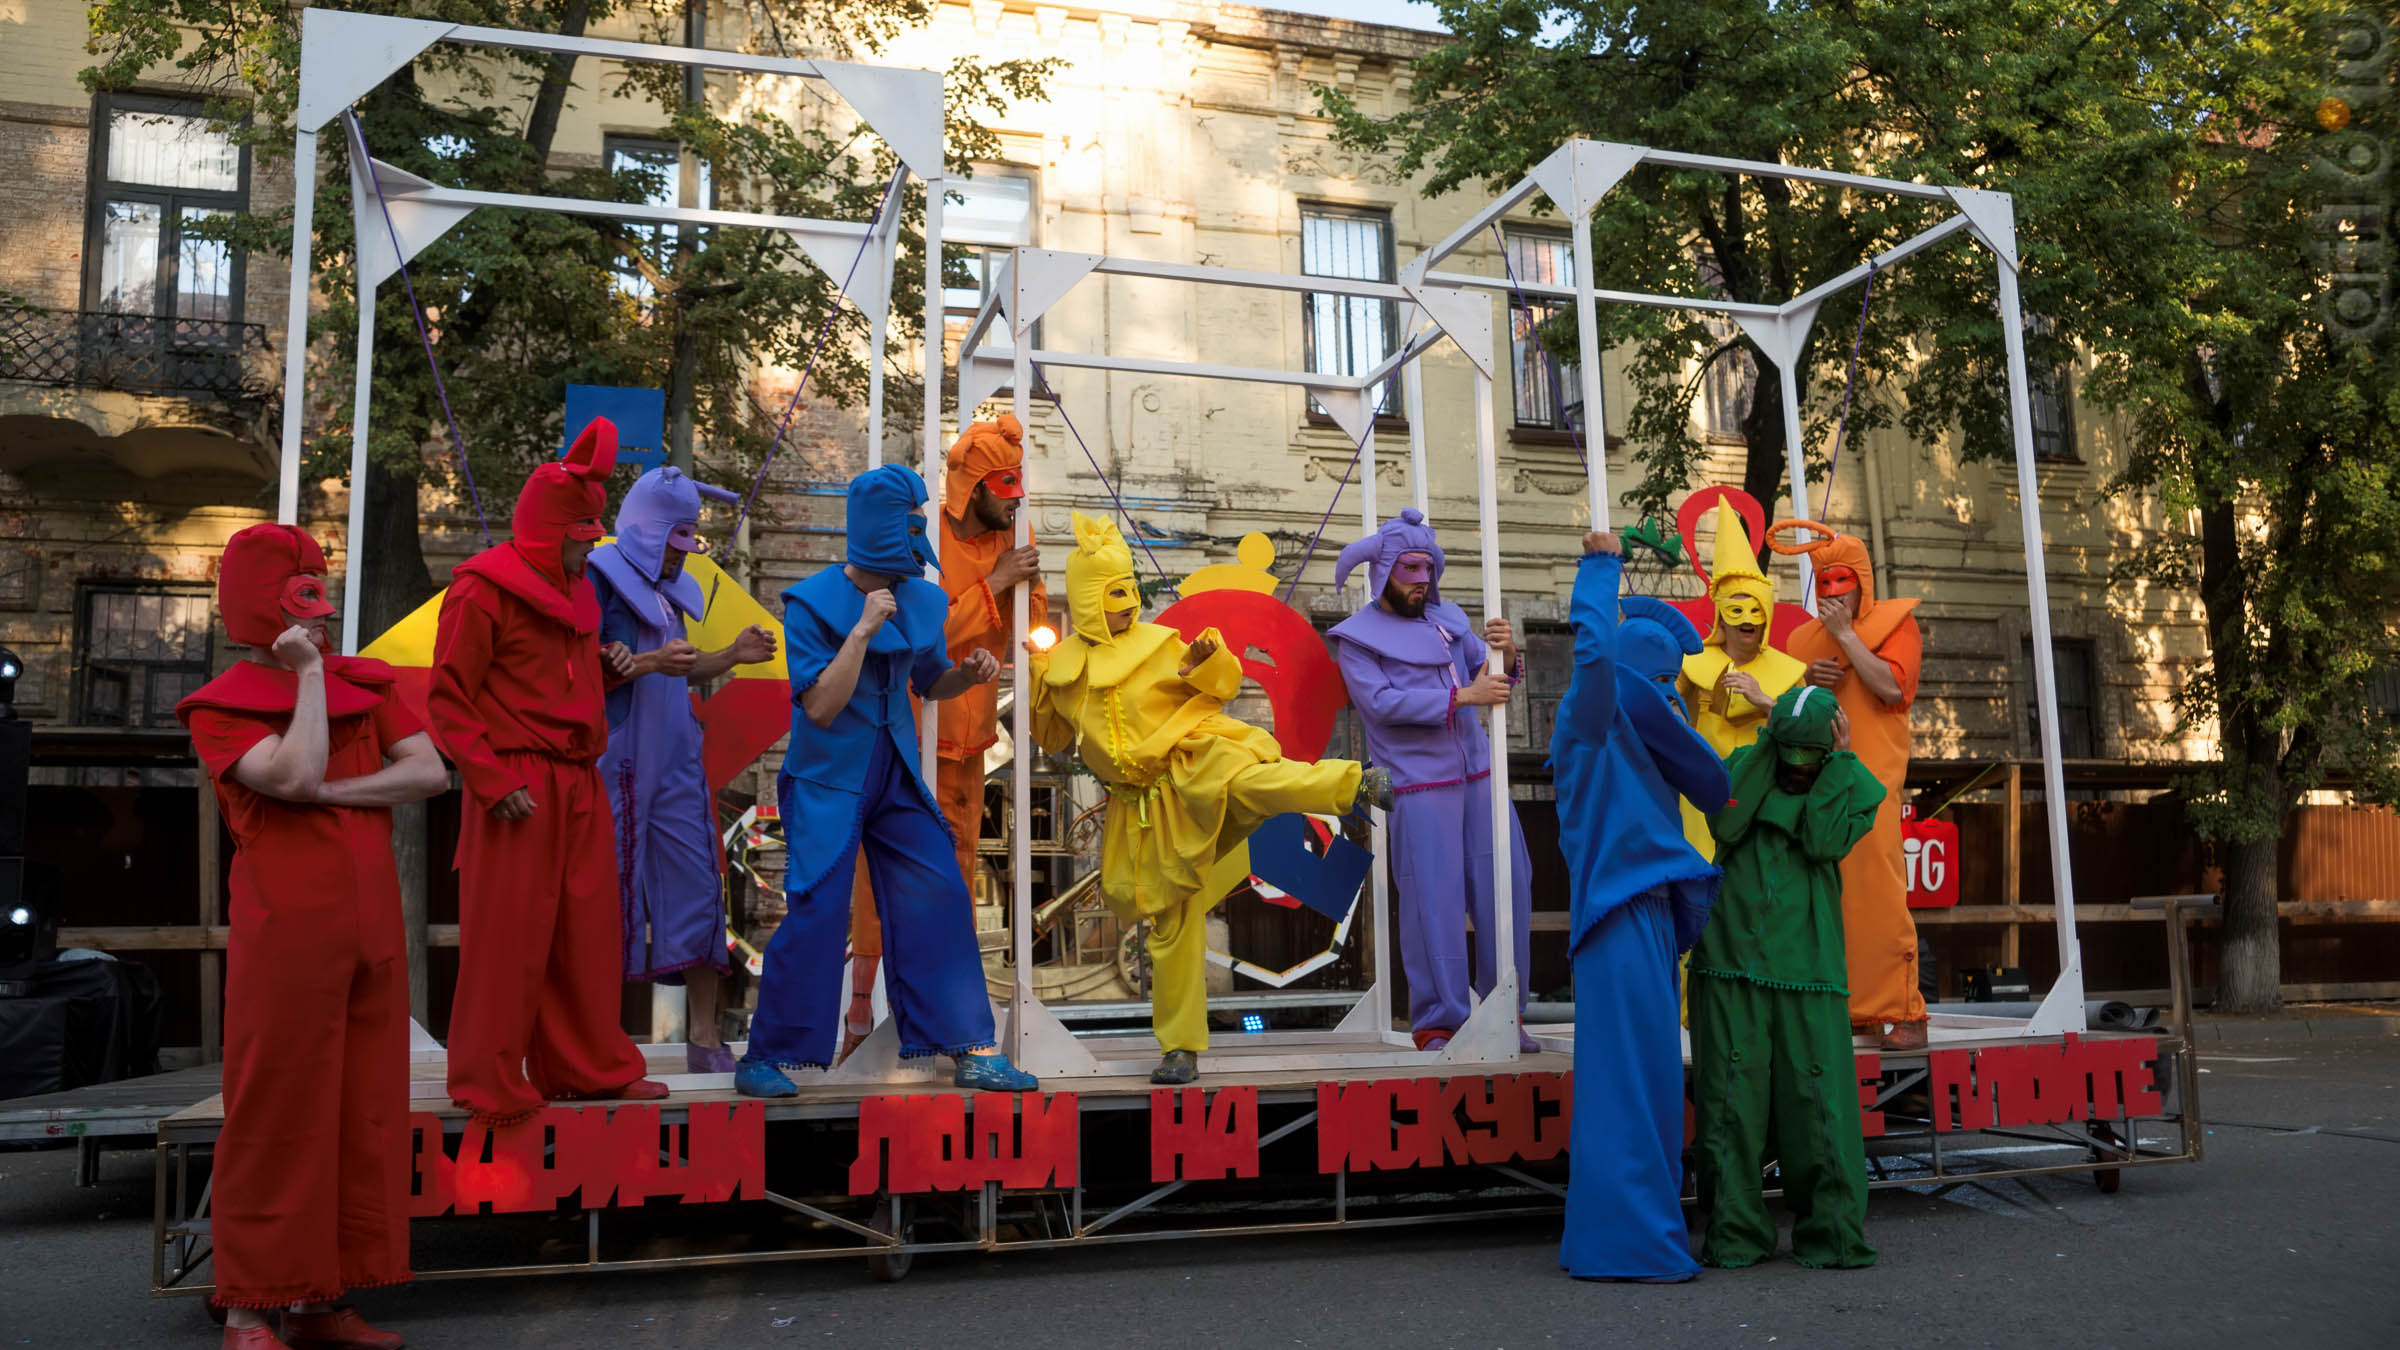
[[1257, 555], [731, 608]]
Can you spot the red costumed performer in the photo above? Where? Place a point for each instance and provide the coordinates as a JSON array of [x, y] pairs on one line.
[[310, 1195], [519, 678]]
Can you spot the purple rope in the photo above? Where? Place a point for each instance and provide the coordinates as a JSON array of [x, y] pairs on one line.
[[1549, 362], [1357, 453], [818, 349], [1849, 383], [1042, 385], [400, 255]]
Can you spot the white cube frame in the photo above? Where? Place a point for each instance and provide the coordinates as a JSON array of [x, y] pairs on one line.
[[1575, 178]]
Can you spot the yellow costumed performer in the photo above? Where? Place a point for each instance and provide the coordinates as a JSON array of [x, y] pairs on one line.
[[1732, 683], [1187, 784]]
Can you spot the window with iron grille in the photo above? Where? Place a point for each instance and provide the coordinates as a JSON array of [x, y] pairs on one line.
[[1547, 385], [1549, 666], [2078, 698], [1349, 334], [994, 217], [138, 651], [653, 171]]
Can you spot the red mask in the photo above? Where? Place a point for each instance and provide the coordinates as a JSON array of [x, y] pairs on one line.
[[270, 571], [1836, 581], [562, 500]]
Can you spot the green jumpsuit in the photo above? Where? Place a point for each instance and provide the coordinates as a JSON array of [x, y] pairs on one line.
[[1770, 1014]]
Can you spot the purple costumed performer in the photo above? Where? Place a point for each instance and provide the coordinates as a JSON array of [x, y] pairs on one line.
[[666, 823], [1415, 669]]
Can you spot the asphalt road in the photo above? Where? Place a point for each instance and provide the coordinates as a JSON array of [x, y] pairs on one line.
[[2288, 1234]]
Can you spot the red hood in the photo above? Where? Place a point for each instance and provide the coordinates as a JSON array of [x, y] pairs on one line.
[[562, 500], [253, 577]]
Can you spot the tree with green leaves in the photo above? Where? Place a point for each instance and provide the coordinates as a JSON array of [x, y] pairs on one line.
[[521, 304], [2172, 179]]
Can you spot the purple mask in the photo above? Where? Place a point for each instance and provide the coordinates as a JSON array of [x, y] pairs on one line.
[[1413, 569]]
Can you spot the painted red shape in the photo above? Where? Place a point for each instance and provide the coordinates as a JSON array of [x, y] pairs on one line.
[[1870, 1077], [1931, 855], [1398, 1123], [1196, 1135], [739, 722], [598, 1156], [2044, 1083], [928, 1142], [1302, 683]]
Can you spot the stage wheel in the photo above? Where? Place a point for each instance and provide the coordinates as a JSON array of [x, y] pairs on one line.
[[890, 1267]]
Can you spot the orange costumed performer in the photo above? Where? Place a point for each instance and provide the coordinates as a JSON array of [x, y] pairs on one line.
[[310, 1195], [1869, 653], [981, 494], [519, 678]]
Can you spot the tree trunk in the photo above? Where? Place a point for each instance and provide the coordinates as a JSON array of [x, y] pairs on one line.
[[2250, 975], [541, 124], [1763, 472]]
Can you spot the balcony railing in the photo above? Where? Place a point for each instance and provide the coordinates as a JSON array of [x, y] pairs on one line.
[[138, 353]]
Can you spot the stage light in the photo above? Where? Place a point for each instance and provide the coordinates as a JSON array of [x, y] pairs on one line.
[[10, 669], [20, 917], [1044, 638], [1253, 1023]]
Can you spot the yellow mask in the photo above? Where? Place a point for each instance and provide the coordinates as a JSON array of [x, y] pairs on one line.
[[1735, 608], [1742, 592], [1100, 579]]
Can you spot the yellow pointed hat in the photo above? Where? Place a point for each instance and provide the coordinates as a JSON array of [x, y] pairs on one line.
[[1734, 576], [1100, 579]]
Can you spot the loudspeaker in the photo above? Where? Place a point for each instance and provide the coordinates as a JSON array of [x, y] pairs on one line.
[[16, 763]]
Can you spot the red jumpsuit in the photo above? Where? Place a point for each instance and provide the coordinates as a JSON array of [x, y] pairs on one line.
[[310, 1195], [516, 702]]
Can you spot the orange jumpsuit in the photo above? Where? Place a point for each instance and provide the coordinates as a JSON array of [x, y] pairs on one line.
[[979, 618], [1879, 934]]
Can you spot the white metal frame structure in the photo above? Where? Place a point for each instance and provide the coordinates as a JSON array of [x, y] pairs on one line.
[[1575, 178], [345, 55]]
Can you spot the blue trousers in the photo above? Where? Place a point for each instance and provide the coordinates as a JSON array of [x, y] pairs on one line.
[[1625, 1151], [1442, 841], [932, 968]]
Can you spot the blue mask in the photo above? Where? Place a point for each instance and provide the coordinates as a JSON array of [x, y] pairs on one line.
[[887, 532]]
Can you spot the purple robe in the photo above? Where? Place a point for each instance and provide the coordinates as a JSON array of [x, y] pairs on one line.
[[665, 815], [1400, 673]]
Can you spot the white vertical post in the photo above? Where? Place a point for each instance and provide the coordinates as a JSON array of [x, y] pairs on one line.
[[1795, 452], [1595, 408], [362, 390], [1379, 827], [2045, 672], [928, 720], [1412, 393], [1020, 723], [878, 326], [1504, 916], [295, 336]]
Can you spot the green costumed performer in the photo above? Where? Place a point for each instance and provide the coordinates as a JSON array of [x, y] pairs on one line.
[[1770, 1003]]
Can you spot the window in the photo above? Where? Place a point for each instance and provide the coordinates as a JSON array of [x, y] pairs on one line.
[[994, 218], [653, 175], [1547, 386], [2053, 415], [158, 170], [1346, 334], [2078, 699], [1727, 386], [138, 651], [1549, 665]]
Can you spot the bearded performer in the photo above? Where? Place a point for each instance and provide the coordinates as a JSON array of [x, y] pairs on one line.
[[1187, 784], [1731, 683], [666, 820], [519, 677], [859, 639], [1623, 751], [1415, 669], [310, 1195], [981, 565], [1770, 1021], [1868, 653]]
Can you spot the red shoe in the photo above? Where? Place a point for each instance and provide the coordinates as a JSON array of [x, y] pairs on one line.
[[261, 1337], [341, 1329], [639, 1090]]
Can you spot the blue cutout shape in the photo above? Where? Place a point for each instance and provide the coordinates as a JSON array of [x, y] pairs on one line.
[[640, 415], [1283, 855]]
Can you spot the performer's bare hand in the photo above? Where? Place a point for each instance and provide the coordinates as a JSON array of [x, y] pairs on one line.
[[752, 645], [515, 806], [1824, 674], [1196, 654], [1834, 611], [620, 660], [880, 607], [1737, 682], [674, 657], [1601, 541], [296, 648], [1841, 729], [1502, 639], [1489, 690], [981, 666], [1014, 566]]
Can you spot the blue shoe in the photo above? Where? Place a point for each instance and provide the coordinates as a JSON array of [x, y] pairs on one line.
[[992, 1073], [757, 1078]]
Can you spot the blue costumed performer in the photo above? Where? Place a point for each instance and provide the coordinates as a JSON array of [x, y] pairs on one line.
[[1622, 754], [667, 860], [858, 639], [1414, 665]]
